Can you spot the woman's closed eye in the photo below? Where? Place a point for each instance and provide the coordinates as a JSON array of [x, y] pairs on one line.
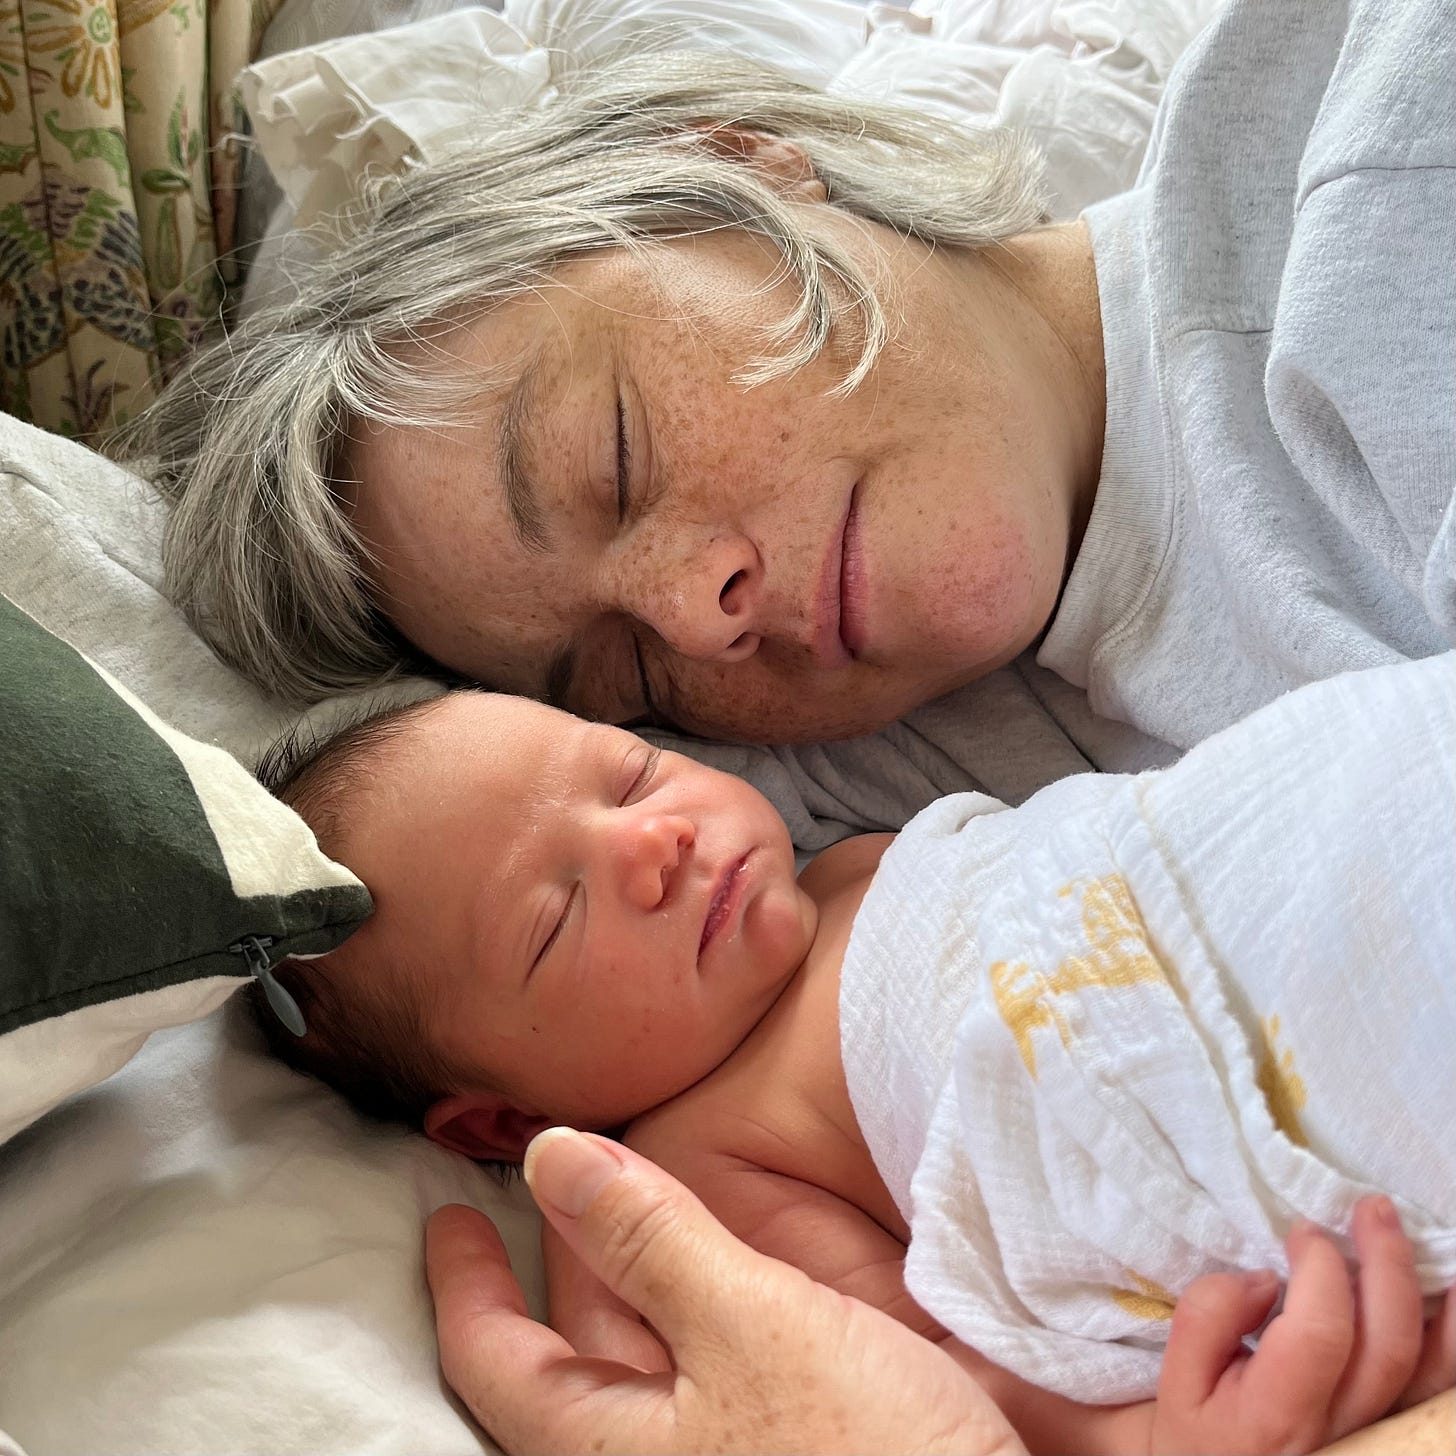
[[629, 505], [624, 464]]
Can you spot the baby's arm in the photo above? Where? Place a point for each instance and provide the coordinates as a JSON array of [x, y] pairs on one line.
[[1338, 1356], [830, 1239], [839, 1245], [1345, 1350]]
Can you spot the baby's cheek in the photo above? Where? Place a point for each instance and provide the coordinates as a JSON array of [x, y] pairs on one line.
[[777, 933], [636, 1027]]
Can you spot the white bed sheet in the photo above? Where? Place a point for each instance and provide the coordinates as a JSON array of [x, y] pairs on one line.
[[209, 1253], [219, 1256]]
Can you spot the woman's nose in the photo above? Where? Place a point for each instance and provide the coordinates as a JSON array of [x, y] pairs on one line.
[[649, 850], [704, 599]]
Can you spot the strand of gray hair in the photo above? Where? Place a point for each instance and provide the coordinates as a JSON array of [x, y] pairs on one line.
[[246, 442]]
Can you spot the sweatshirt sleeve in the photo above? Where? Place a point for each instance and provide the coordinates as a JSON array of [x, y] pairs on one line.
[[1360, 382]]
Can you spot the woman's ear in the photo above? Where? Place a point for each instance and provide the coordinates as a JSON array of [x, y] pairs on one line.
[[483, 1126], [786, 163]]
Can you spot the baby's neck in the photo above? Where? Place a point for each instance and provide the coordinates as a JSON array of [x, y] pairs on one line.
[[806, 1014]]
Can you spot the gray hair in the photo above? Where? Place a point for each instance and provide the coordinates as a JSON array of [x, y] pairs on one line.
[[259, 551]]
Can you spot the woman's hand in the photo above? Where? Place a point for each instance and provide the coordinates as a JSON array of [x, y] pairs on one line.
[[753, 1355]]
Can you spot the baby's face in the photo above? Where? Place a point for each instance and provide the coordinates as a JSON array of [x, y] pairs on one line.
[[600, 924]]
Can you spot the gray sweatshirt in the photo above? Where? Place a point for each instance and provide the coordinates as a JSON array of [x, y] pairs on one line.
[[1276, 500], [1279, 310]]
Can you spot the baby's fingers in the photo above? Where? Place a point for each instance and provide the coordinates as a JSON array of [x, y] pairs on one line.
[[1387, 1335], [1436, 1369], [1293, 1376], [1209, 1324]]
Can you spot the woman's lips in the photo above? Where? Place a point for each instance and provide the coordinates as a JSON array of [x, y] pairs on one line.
[[852, 630], [725, 902], [835, 637]]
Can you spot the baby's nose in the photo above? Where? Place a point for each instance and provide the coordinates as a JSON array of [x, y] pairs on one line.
[[651, 851]]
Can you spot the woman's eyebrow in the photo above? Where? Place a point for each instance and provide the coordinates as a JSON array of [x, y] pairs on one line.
[[523, 500]]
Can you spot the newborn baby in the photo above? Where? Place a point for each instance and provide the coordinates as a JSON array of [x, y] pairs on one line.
[[574, 927]]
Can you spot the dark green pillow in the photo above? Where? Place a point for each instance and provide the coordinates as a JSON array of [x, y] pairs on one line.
[[143, 875]]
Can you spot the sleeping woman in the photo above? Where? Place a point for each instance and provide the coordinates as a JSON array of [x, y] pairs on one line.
[[701, 398], [1106, 1062]]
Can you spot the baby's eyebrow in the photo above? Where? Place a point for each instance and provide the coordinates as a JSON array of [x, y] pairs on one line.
[[523, 500]]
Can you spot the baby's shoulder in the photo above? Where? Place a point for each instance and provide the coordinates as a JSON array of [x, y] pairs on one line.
[[837, 881], [682, 1126], [730, 1122], [846, 867], [747, 1170]]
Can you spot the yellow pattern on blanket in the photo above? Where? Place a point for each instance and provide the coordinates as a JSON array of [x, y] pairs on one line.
[[1147, 1300], [1282, 1086], [1117, 954]]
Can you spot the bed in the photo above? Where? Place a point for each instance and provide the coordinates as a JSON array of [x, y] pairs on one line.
[[206, 1252]]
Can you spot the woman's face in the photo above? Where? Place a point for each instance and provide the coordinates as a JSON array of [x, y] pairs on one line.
[[622, 531]]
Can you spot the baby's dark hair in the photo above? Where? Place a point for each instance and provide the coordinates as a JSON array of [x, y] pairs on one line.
[[367, 1034]]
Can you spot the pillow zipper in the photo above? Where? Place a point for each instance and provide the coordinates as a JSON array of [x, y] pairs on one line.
[[254, 950]]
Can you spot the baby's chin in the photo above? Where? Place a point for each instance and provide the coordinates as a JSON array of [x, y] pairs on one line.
[[786, 920]]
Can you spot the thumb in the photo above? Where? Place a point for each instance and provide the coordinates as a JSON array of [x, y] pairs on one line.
[[763, 1359], [635, 1227]]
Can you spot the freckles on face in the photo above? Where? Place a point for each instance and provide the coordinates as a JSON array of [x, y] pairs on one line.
[[756, 702], [745, 487], [983, 576]]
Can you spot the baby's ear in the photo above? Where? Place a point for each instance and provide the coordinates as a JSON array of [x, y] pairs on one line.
[[484, 1126]]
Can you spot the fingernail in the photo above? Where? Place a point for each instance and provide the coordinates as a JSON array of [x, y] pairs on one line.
[[1261, 1282], [1385, 1213], [1296, 1240], [567, 1169]]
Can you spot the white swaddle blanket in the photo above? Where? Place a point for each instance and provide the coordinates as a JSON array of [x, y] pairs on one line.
[[1124, 1035]]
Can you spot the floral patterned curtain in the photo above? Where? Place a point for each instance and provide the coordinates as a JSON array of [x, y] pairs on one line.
[[118, 176]]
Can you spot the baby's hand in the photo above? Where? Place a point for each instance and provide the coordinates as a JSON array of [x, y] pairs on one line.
[[1340, 1354]]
